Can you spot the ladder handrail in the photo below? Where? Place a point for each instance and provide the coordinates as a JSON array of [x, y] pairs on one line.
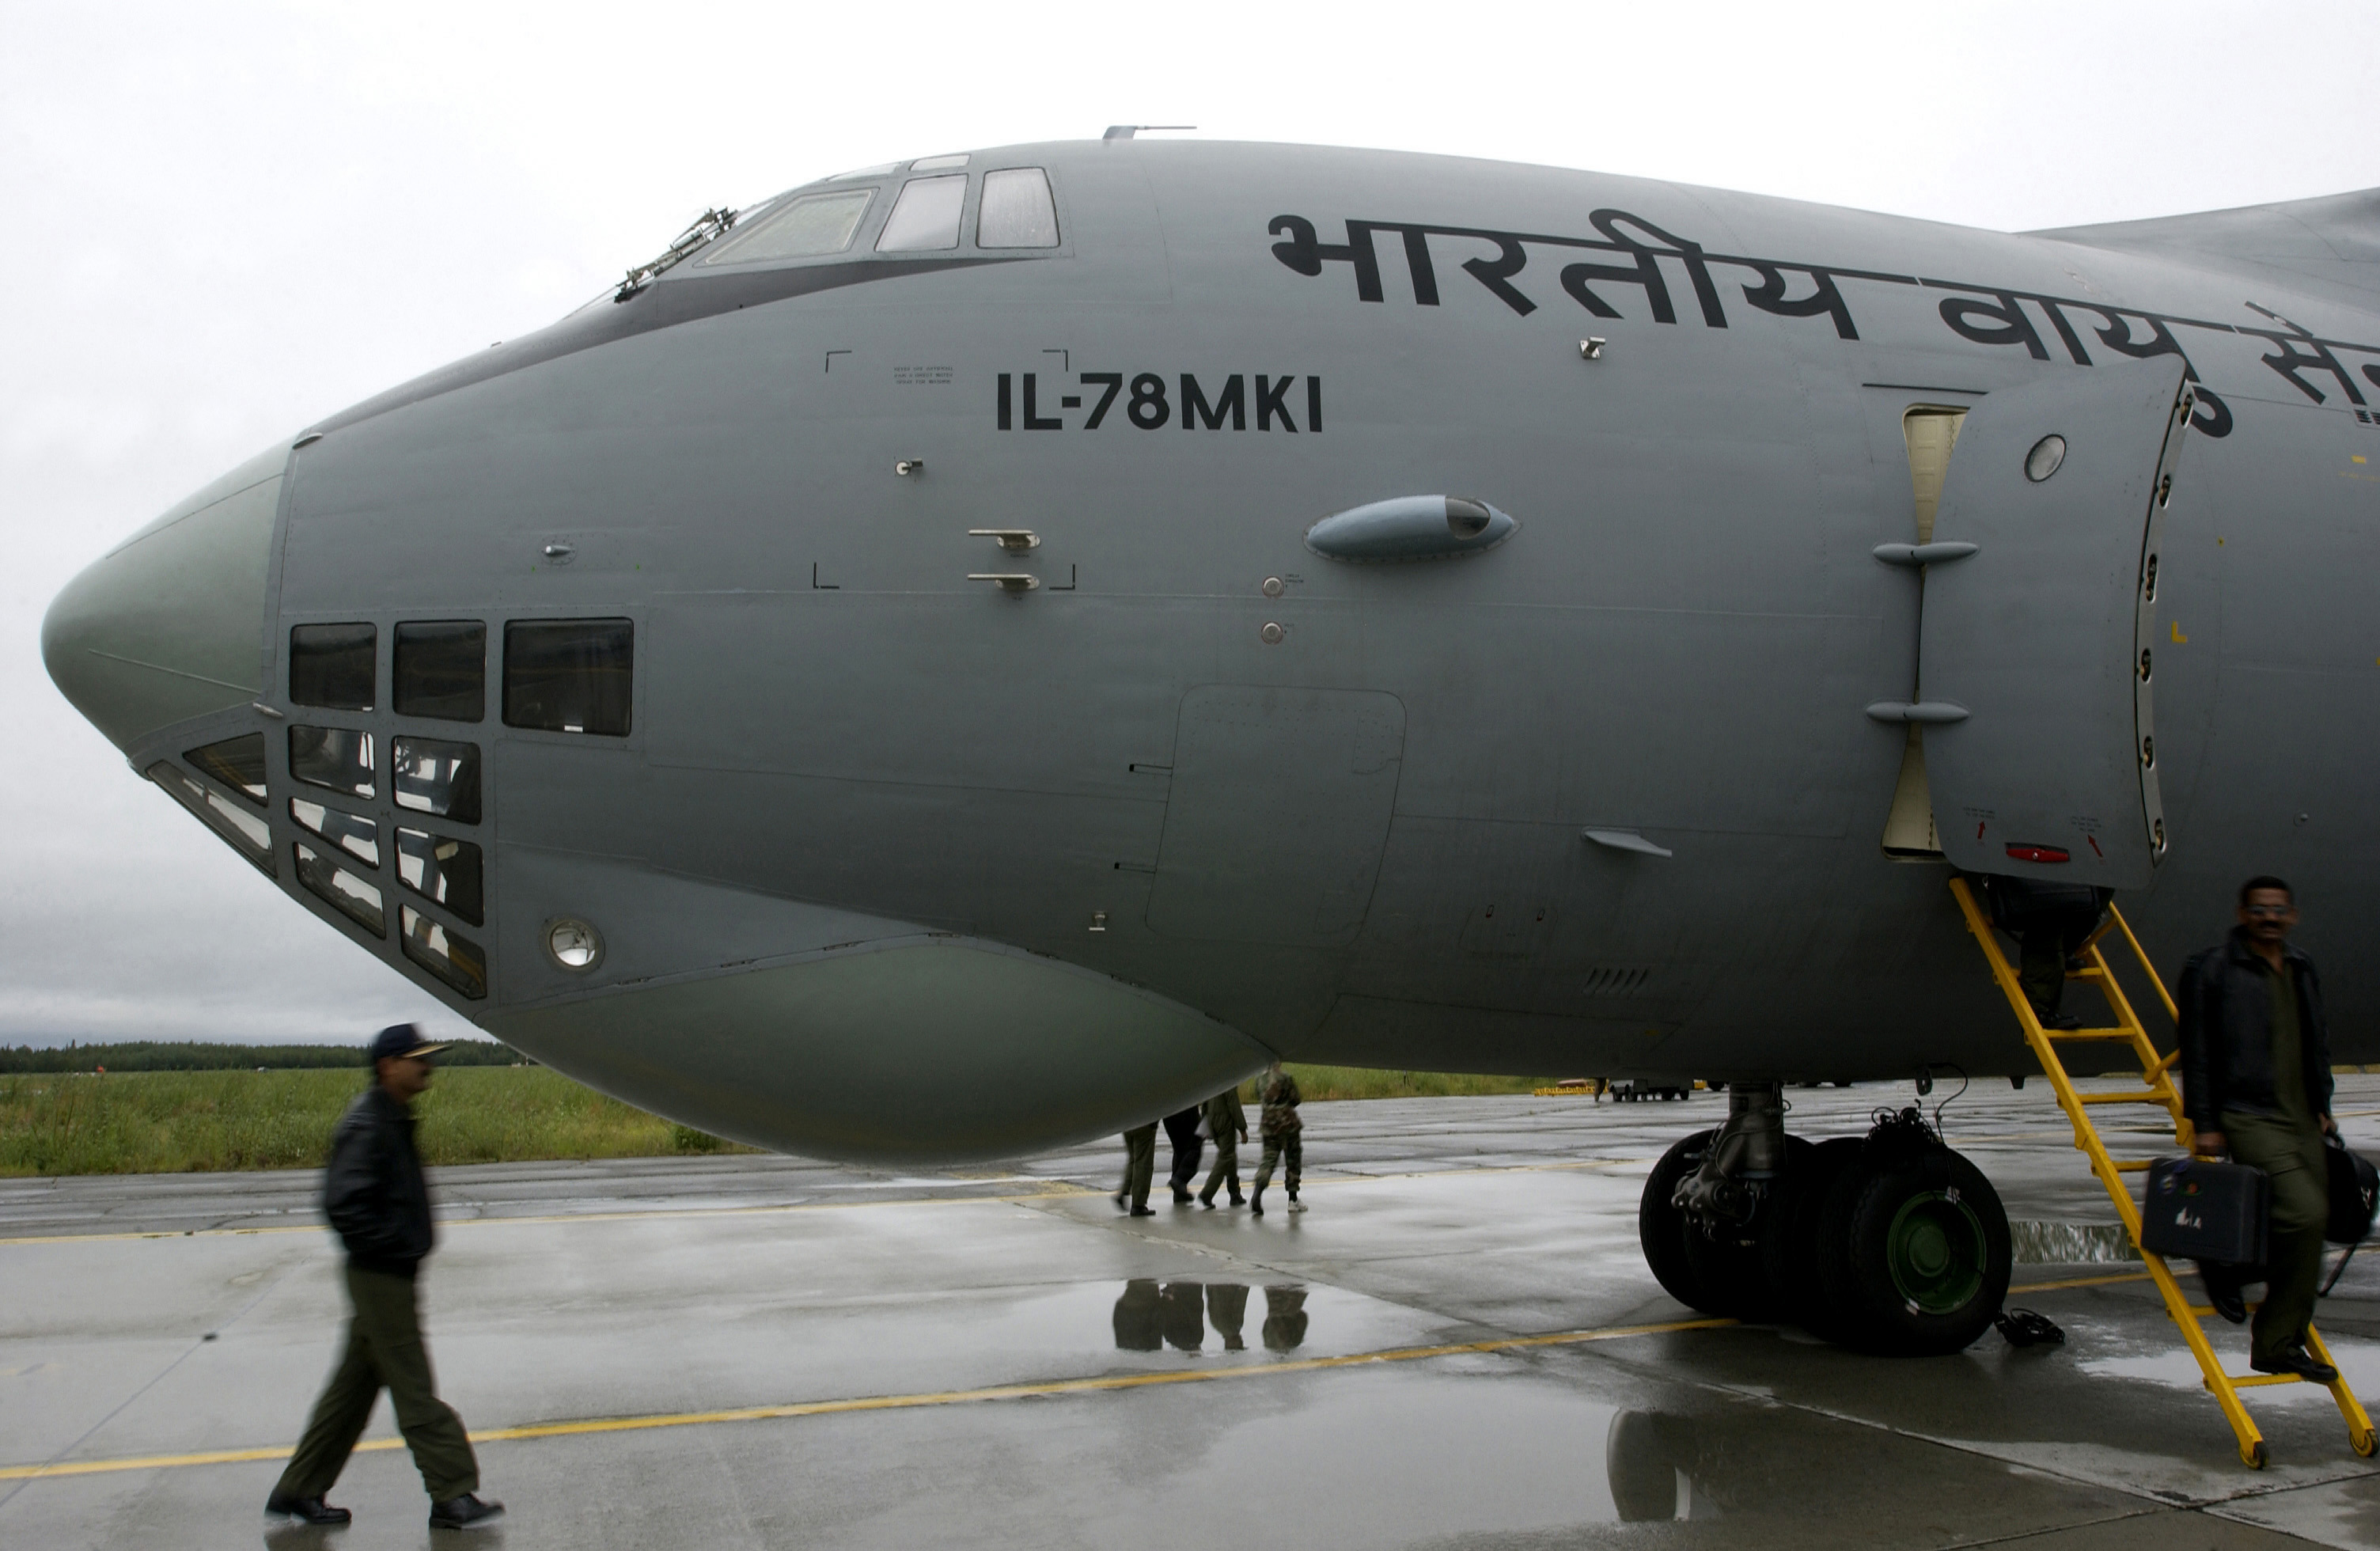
[[2156, 1074], [2142, 954]]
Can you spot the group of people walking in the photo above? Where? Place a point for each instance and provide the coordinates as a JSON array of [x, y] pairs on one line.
[[1223, 1120]]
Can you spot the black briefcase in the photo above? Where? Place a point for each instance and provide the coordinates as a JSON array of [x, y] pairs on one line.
[[2197, 1209], [2354, 1193]]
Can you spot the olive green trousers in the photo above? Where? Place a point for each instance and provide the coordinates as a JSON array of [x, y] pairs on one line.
[[2291, 1155], [1140, 1163], [384, 1351]]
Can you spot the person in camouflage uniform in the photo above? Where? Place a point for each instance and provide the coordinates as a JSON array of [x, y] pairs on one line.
[[1225, 1120], [1278, 1125]]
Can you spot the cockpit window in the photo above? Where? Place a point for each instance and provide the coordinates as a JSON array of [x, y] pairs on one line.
[[804, 228], [926, 216], [354, 898], [332, 665], [441, 870], [238, 762], [569, 675], [442, 670], [246, 831], [338, 758], [1017, 211], [455, 960], [432, 776]]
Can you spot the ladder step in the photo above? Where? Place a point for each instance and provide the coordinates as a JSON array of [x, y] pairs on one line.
[[2254, 1381], [2131, 1165], [2123, 1098], [2088, 1033]]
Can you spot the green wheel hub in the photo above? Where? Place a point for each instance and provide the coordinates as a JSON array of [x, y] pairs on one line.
[[1936, 1252]]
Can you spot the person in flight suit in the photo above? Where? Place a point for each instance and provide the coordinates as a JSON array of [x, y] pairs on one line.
[[1278, 1124], [1139, 1165], [1182, 1130], [374, 1195], [2256, 1078], [2051, 922], [1226, 1119]]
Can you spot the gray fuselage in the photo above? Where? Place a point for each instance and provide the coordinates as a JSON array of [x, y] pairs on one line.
[[892, 861]]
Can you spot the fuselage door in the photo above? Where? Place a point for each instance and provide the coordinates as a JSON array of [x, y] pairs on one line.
[[2044, 638]]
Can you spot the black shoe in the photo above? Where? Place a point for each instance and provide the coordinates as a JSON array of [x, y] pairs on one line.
[[2223, 1293], [1120, 1202], [2295, 1360], [465, 1512], [1255, 1201], [1206, 1200], [1238, 1200], [311, 1511], [2061, 1020], [1181, 1197], [1143, 1211]]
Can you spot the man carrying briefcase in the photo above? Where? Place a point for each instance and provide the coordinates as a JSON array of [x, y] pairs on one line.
[[2255, 1081]]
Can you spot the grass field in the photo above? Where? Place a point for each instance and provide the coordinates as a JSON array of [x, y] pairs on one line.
[[172, 1123]]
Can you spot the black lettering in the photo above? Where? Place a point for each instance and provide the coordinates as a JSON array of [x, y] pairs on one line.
[[1303, 254], [1274, 400], [1496, 275], [1233, 397], [1697, 268], [2013, 327], [1114, 383], [1148, 409], [1769, 296], [1003, 401], [1070, 401], [2289, 361], [1425, 278], [1314, 403], [1033, 420]]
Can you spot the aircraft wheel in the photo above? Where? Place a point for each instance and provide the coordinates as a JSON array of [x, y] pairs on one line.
[[1918, 1257], [1794, 1256], [1662, 1230], [1732, 1266]]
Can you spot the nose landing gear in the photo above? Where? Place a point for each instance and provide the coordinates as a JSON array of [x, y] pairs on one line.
[[1890, 1243]]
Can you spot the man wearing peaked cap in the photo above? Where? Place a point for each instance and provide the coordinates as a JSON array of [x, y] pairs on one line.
[[374, 1195]]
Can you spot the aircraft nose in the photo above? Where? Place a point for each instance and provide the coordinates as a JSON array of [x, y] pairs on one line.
[[170, 624]]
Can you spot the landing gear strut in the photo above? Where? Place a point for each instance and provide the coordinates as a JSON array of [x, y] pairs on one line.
[[1890, 1243]]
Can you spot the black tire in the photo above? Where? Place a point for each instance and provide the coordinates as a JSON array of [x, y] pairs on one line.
[[1918, 1257], [1662, 1230], [1795, 1256], [1732, 1266]]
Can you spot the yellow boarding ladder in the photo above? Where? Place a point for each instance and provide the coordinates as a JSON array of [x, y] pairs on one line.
[[2157, 1076]]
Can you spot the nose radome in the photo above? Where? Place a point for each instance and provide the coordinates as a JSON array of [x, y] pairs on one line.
[[170, 624]]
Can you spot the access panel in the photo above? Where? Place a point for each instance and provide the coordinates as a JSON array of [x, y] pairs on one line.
[[2044, 638], [1278, 814]]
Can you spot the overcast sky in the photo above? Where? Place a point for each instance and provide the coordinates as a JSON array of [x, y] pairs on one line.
[[224, 221]]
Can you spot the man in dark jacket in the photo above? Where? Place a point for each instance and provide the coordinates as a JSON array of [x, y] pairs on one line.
[[373, 1193], [2255, 1081], [1182, 1130]]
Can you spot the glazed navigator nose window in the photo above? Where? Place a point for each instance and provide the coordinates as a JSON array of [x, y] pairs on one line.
[[569, 675]]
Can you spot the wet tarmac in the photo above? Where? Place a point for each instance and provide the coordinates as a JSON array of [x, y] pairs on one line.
[[1458, 1345]]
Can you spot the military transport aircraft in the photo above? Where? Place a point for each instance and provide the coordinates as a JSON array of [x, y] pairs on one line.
[[979, 651]]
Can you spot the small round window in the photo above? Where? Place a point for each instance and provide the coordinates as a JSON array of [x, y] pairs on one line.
[[2043, 460], [574, 944]]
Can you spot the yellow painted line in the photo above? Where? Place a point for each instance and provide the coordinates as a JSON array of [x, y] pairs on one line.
[[891, 1402], [2083, 1281]]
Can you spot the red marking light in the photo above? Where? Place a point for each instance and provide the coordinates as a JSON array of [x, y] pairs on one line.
[[2037, 854]]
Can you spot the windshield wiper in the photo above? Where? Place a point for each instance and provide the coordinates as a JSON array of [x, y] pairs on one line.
[[709, 224]]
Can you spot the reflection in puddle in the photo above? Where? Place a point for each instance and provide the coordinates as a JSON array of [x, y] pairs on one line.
[[1149, 1315]]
